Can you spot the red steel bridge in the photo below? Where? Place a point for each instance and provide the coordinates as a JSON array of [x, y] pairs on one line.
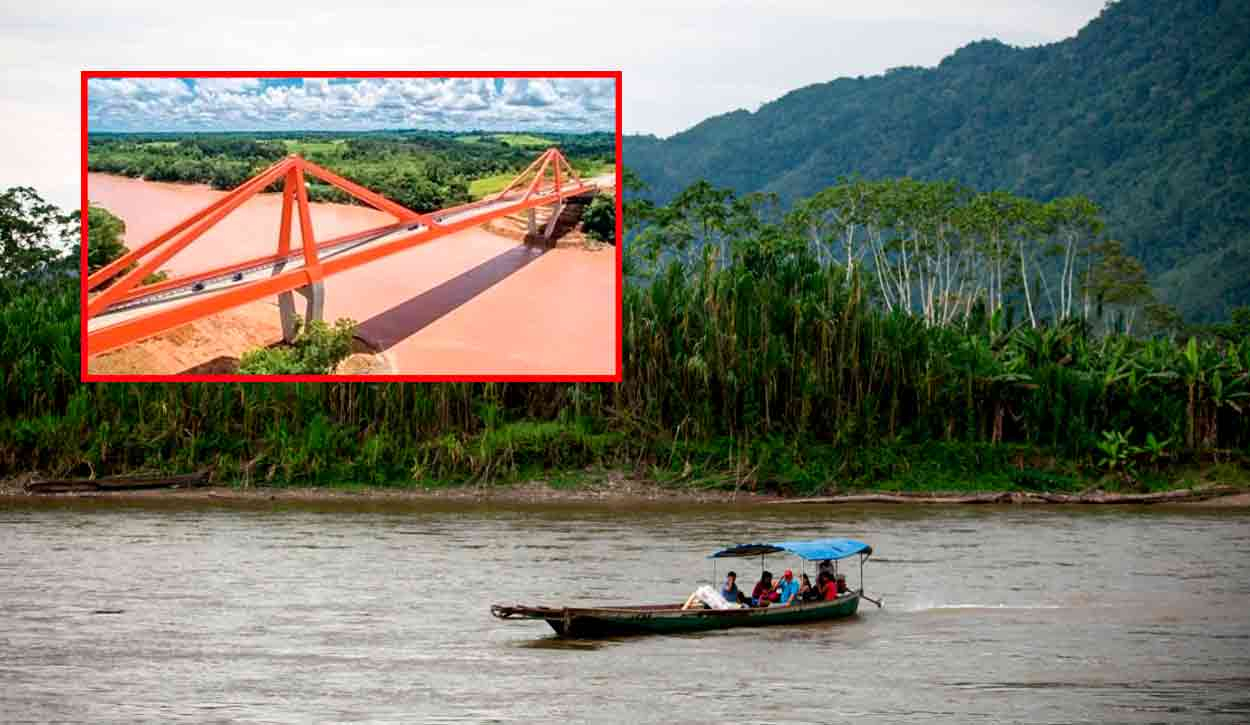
[[126, 310]]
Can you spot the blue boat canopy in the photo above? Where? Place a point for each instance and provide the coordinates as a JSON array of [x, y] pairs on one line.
[[813, 550]]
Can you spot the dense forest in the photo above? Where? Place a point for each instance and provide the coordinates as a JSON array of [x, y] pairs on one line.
[[1146, 112], [423, 170], [760, 361]]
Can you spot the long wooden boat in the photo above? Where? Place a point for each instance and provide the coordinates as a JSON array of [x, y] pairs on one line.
[[591, 622]]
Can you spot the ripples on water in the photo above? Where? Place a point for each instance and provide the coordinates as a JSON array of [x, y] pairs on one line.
[[281, 613]]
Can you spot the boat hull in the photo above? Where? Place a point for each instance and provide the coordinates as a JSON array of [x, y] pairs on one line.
[[589, 623]]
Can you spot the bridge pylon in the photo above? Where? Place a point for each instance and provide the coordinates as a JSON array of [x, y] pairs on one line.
[[550, 174]]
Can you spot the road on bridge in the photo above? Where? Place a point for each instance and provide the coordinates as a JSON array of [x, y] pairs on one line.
[[471, 302]]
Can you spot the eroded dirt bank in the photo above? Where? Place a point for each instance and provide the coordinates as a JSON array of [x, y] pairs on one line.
[[624, 490]]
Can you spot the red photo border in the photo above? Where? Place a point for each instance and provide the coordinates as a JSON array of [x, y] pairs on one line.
[[177, 378]]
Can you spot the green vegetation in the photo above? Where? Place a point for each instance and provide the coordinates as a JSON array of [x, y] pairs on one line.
[[107, 231], [423, 170], [317, 350], [585, 169], [32, 233], [599, 218], [490, 184], [1144, 112], [753, 358], [523, 140]]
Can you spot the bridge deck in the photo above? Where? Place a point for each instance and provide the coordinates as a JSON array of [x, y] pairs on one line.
[[144, 306]]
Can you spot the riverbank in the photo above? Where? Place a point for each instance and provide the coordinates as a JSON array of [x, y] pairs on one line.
[[618, 488]]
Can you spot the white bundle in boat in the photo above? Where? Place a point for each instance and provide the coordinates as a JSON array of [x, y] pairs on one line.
[[710, 597]]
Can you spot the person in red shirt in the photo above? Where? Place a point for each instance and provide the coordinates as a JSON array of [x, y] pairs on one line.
[[827, 587]]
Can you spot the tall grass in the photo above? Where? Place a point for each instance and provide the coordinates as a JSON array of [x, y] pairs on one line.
[[773, 368]]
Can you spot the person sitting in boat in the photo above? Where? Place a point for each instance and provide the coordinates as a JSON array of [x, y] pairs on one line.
[[827, 587], [730, 590], [807, 592], [787, 588], [840, 581], [765, 591], [826, 567]]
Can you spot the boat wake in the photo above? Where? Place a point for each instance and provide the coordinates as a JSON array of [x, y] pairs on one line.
[[940, 606]]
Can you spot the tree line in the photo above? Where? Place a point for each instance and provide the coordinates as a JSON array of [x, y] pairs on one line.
[[755, 355], [422, 170], [934, 249]]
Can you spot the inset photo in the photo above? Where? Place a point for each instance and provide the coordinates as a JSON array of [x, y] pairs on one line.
[[365, 226]]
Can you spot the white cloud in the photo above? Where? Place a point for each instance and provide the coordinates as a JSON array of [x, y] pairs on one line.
[[230, 85], [527, 92], [172, 104]]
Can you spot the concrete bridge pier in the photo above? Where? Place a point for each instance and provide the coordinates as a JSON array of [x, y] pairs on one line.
[[533, 224], [556, 210], [314, 308]]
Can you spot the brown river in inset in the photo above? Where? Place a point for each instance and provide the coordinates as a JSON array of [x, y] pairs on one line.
[[254, 611], [470, 303]]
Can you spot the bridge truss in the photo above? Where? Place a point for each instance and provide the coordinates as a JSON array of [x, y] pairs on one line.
[[126, 310]]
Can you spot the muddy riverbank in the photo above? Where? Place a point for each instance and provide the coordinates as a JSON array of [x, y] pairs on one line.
[[622, 490]]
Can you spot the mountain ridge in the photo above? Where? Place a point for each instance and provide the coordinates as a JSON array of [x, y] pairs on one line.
[[1146, 110]]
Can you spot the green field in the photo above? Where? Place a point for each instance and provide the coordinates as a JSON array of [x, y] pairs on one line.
[[308, 148], [519, 140], [479, 188], [486, 185]]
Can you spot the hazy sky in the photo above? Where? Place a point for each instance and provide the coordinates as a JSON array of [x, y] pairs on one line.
[[681, 61]]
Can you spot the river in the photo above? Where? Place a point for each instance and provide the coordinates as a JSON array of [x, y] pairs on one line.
[[349, 612], [469, 303]]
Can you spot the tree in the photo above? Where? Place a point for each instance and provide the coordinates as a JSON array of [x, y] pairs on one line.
[[599, 219], [32, 232], [1163, 319], [105, 232], [635, 209], [833, 217], [1075, 222], [706, 210], [1119, 279]]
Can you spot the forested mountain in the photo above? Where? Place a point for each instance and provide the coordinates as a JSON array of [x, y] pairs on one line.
[[1146, 111]]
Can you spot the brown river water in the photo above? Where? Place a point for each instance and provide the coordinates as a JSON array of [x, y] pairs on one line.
[[253, 611], [470, 303]]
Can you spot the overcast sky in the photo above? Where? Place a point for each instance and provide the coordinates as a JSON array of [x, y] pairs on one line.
[[681, 62]]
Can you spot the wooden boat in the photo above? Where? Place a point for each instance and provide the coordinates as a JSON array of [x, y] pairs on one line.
[[590, 622]]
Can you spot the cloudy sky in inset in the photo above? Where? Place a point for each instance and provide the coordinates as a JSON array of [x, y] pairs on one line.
[[279, 104]]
